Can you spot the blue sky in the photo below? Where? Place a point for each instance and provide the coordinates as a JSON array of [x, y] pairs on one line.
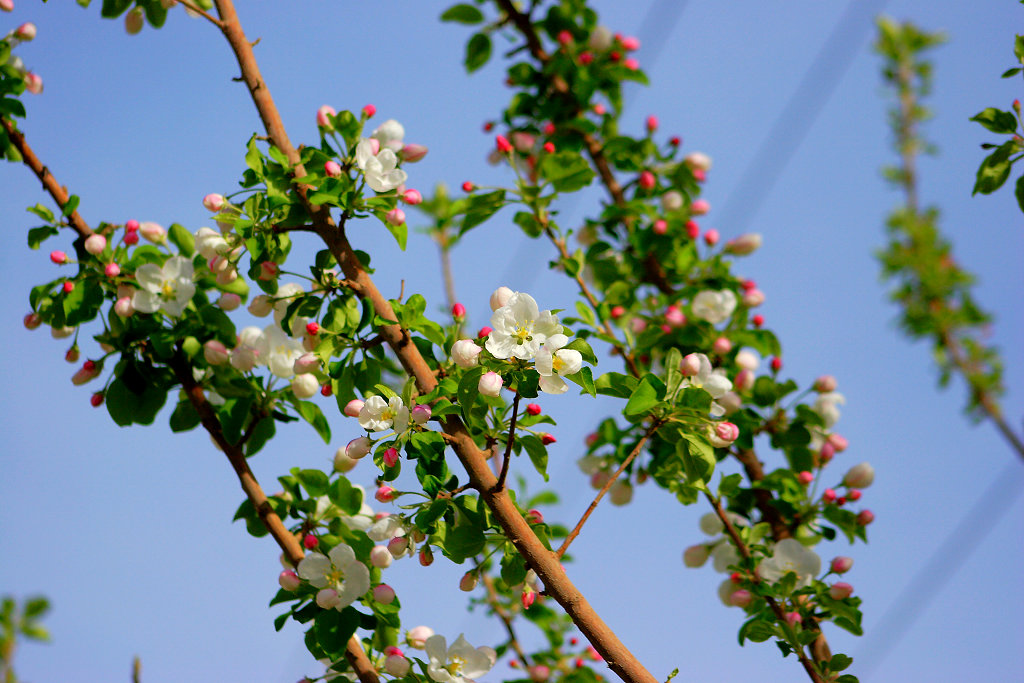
[[129, 531]]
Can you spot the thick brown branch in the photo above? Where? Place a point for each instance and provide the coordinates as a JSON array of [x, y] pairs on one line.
[[50, 184], [604, 489], [544, 562]]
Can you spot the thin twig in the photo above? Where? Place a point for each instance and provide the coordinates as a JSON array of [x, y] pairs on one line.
[[508, 446], [494, 601], [188, 4], [136, 669], [604, 489]]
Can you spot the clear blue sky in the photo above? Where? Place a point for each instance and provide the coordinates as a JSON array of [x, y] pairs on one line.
[[129, 531]]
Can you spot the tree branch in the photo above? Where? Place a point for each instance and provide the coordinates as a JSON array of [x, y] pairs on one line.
[[543, 561], [508, 446], [506, 618]]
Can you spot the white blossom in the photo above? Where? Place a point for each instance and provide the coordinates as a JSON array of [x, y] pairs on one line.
[[457, 663], [390, 135], [465, 352], [210, 243], [279, 351], [709, 379], [826, 406], [169, 287], [380, 168], [340, 571], [553, 362], [714, 306], [519, 328], [377, 414], [790, 555]]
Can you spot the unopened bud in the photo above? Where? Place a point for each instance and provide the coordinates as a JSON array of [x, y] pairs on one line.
[[805, 477], [385, 494], [328, 598], [289, 580], [412, 152], [215, 352], [420, 414], [500, 297], [343, 463], [468, 582], [395, 216], [305, 386], [426, 556], [32, 321], [696, 555], [95, 244], [380, 557], [384, 594], [741, 598], [332, 169], [859, 476], [397, 665], [825, 384], [358, 447], [621, 493], [323, 115], [711, 236], [412, 197], [721, 346], [744, 244], [840, 590], [490, 384], [647, 180], [397, 546], [133, 21], [690, 365], [865, 517], [842, 564]]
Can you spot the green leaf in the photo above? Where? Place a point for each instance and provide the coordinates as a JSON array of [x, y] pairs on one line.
[[538, 453], [567, 171], [1018, 48], [1019, 191], [994, 170], [996, 121], [839, 662], [70, 205], [698, 458], [469, 388], [584, 348], [757, 631], [333, 629], [263, 432], [478, 51], [182, 239], [648, 394], [314, 481], [464, 541], [156, 15], [345, 496], [36, 607], [463, 14], [312, 414], [184, 417], [36, 236], [585, 379], [400, 232], [529, 223], [253, 157], [114, 8], [615, 384]]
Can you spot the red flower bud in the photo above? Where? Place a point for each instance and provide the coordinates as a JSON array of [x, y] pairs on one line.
[[533, 409], [312, 329]]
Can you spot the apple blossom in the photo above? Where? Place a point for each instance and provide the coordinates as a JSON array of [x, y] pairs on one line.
[[455, 664], [714, 306], [169, 287], [278, 351], [153, 232], [358, 447], [789, 555], [134, 21], [723, 433], [865, 517], [25, 32], [305, 386], [379, 167], [261, 306], [826, 406], [465, 353], [342, 462], [123, 307], [741, 598], [840, 590], [554, 362], [859, 476], [711, 236], [215, 352], [841, 564], [210, 243], [621, 493], [707, 378], [519, 328], [672, 200], [353, 407], [377, 415], [490, 384], [338, 570], [698, 160], [384, 594], [380, 557]]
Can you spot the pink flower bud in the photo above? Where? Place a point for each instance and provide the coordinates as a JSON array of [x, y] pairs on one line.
[[417, 637], [859, 476], [391, 457], [753, 298], [660, 226], [332, 168], [692, 229], [68, 287], [617, 312], [353, 407], [95, 244], [741, 598], [700, 175], [776, 364], [307, 362], [72, 354], [358, 447], [865, 517], [792, 618], [397, 666], [533, 409], [690, 365], [724, 433], [710, 237], [385, 494], [805, 477], [25, 32], [825, 384], [502, 144], [840, 590], [744, 380], [123, 306], [328, 598], [343, 463], [838, 442], [261, 306], [547, 439], [32, 321], [153, 232], [312, 329], [395, 216], [842, 564], [587, 58], [289, 580], [7, 5], [647, 180], [134, 21], [652, 121], [214, 202], [380, 557], [310, 541], [621, 493], [468, 581], [528, 598], [539, 673], [397, 546], [468, 186], [58, 257], [322, 115], [227, 275], [630, 43], [696, 555], [413, 152], [392, 650], [744, 244], [229, 301], [369, 110], [34, 83], [426, 556], [305, 386], [96, 400], [534, 517], [827, 452], [700, 207], [829, 496], [465, 353], [631, 64], [490, 384], [458, 311], [412, 197], [500, 297], [87, 373], [420, 414], [385, 595], [757, 320], [215, 352], [674, 316], [853, 494]]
